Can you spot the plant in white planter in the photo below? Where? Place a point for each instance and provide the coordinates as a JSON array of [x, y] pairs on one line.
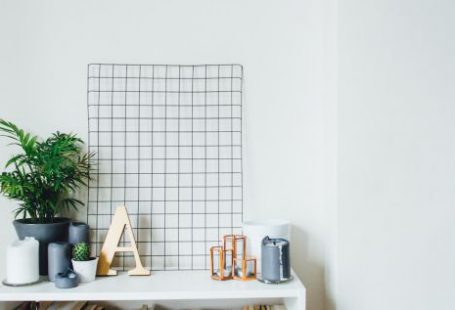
[[83, 264], [43, 178]]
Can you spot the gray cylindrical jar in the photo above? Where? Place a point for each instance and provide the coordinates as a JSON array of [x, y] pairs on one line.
[[59, 258], [275, 256], [78, 232]]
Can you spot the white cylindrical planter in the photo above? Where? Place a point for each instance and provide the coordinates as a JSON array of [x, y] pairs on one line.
[[86, 270], [255, 231], [22, 262]]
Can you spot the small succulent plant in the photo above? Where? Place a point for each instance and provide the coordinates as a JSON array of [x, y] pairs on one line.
[[81, 252]]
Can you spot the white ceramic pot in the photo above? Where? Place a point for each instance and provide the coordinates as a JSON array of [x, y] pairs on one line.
[[86, 270], [255, 231]]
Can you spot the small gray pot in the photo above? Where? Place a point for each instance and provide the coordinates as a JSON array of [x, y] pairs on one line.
[[79, 232], [45, 234]]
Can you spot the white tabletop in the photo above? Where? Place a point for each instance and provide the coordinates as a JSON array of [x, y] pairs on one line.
[[162, 285]]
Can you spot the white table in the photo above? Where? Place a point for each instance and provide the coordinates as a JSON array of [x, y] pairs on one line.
[[172, 288]]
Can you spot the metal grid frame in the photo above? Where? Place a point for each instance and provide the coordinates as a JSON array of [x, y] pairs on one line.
[[168, 145]]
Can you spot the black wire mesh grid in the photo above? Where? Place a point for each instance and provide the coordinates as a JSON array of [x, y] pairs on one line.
[[168, 146]]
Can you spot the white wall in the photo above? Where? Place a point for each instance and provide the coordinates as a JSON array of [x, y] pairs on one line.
[[396, 155], [388, 245], [46, 46]]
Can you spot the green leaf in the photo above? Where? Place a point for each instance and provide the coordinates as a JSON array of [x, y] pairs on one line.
[[47, 172], [13, 160]]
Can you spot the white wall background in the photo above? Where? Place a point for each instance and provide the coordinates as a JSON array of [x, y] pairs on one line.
[[289, 118], [389, 245], [396, 155]]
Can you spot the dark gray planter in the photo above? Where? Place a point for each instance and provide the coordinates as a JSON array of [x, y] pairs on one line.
[[45, 234]]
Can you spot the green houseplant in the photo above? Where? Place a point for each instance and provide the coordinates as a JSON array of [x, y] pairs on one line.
[[43, 178], [83, 264]]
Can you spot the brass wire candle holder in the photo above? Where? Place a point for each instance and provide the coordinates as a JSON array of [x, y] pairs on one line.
[[228, 242], [230, 262], [240, 246], [221, 261], [246, 269]]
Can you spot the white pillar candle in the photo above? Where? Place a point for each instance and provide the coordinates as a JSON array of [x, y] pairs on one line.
[[22, 261]]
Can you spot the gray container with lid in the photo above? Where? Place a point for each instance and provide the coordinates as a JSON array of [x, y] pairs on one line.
[[276, 260]]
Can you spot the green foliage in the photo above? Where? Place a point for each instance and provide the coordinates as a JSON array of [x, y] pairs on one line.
[[45, 175], [81, 252]]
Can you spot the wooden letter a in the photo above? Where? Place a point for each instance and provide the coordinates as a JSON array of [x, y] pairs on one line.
[[120, 221]]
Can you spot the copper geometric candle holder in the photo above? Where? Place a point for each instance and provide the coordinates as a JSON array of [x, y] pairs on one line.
[[221, 261], [228, 242], [239, 247], [246, 269], [230, 262]]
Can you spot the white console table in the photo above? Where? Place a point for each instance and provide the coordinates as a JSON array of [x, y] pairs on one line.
[[172, 288]]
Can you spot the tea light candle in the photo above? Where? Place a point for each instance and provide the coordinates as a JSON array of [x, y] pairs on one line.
[[228, 271], [22, 261], [249, 271], [245, 269]]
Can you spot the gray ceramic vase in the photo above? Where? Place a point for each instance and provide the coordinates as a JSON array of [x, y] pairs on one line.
[[59, 258], [79, 232], [45, 234]]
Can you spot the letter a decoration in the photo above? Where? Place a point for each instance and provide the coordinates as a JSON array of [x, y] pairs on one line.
[[120, 221]]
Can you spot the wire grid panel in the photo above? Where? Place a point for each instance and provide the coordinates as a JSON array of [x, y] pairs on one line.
[[168, 145]]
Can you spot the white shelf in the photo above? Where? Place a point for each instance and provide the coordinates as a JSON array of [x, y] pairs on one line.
[[163, 286]]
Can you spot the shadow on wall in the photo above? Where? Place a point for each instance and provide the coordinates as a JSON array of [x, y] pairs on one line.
[[310, 271]]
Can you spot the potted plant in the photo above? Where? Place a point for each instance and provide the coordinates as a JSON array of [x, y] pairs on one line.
[[43, 177], [83, 264]]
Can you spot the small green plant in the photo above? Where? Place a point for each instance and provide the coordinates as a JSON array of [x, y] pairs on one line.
[[46, 174], [81, 252]]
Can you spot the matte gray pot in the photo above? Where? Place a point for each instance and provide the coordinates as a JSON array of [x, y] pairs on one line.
[[45, 234]]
